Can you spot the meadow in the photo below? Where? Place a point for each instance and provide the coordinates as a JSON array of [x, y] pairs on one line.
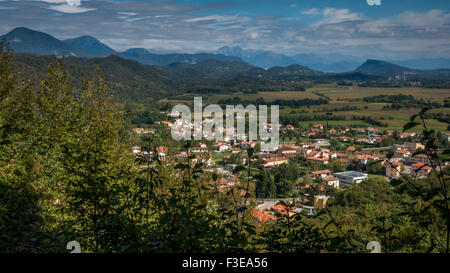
[[344, 101]]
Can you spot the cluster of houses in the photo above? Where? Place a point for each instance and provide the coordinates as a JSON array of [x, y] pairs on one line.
[[274, 210], [408, 160], [316, 150]]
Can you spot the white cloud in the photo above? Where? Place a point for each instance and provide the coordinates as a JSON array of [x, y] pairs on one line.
[[333, 16], [127, 13], [55, 1], [312, 11], [375, 26], [70, 8], [138, 18], [219, 18], [432, 18]]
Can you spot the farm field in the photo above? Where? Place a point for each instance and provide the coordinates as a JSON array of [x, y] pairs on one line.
[[267, 96], [355, 92], [353, 97], [346, 101]]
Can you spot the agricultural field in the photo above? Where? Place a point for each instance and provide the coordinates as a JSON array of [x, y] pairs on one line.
[[267, 96], [345, 101], [352, 96], [355, 92]]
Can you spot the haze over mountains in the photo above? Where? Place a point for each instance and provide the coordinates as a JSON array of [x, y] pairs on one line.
[[321, 62], [24, 40], [237, 59]]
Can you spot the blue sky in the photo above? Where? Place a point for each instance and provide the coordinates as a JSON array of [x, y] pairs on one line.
[[395, 29]]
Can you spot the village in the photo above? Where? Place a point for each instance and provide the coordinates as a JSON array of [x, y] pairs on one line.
[[335, 159]]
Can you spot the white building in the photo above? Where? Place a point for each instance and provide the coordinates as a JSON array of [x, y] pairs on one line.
[[350, 178], [322, 142]]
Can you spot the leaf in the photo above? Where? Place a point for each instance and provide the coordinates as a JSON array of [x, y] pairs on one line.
[[214, 176], [181, 166], [250, 152], [410, 125], [424, 110], [238, 169], [198, 165], [395, 182]]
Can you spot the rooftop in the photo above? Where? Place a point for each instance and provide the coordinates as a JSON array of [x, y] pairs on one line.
[[352, 174]]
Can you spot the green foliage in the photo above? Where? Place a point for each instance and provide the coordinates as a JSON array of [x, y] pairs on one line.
[[265, 187]]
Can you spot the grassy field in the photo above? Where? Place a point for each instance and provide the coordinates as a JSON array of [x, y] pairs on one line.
[[267, 96], [340, 98], [352, 97], [354, 92]]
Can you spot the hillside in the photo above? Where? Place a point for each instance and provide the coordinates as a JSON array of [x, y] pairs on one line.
[[128, 79], [26, 40], [90, 43], [133, 81], [288, 73], [145, 57], [381, 67], [207, 69]]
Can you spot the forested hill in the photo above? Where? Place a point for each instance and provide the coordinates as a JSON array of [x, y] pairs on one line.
[[381, 67], [127, 78], [131, 80]]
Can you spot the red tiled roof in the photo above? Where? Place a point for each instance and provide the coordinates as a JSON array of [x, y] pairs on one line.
[[282, 209], [329, 178], [317, 159], [321, 172], [418, 165], [262, 216], [276, 159]]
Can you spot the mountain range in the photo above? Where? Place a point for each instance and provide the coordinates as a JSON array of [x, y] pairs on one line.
[[26, 40], [321, 62], [145, 57]]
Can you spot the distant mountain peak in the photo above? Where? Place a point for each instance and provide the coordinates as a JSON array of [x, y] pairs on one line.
[[22, 30], [23, 39], [89, 43], [382, 67], [137, 50]]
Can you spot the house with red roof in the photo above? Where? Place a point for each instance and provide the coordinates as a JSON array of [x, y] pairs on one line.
[[262, 216], [273, 162], [402, 153]]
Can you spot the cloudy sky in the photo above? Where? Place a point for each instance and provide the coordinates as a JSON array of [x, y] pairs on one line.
[[395, 29]]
